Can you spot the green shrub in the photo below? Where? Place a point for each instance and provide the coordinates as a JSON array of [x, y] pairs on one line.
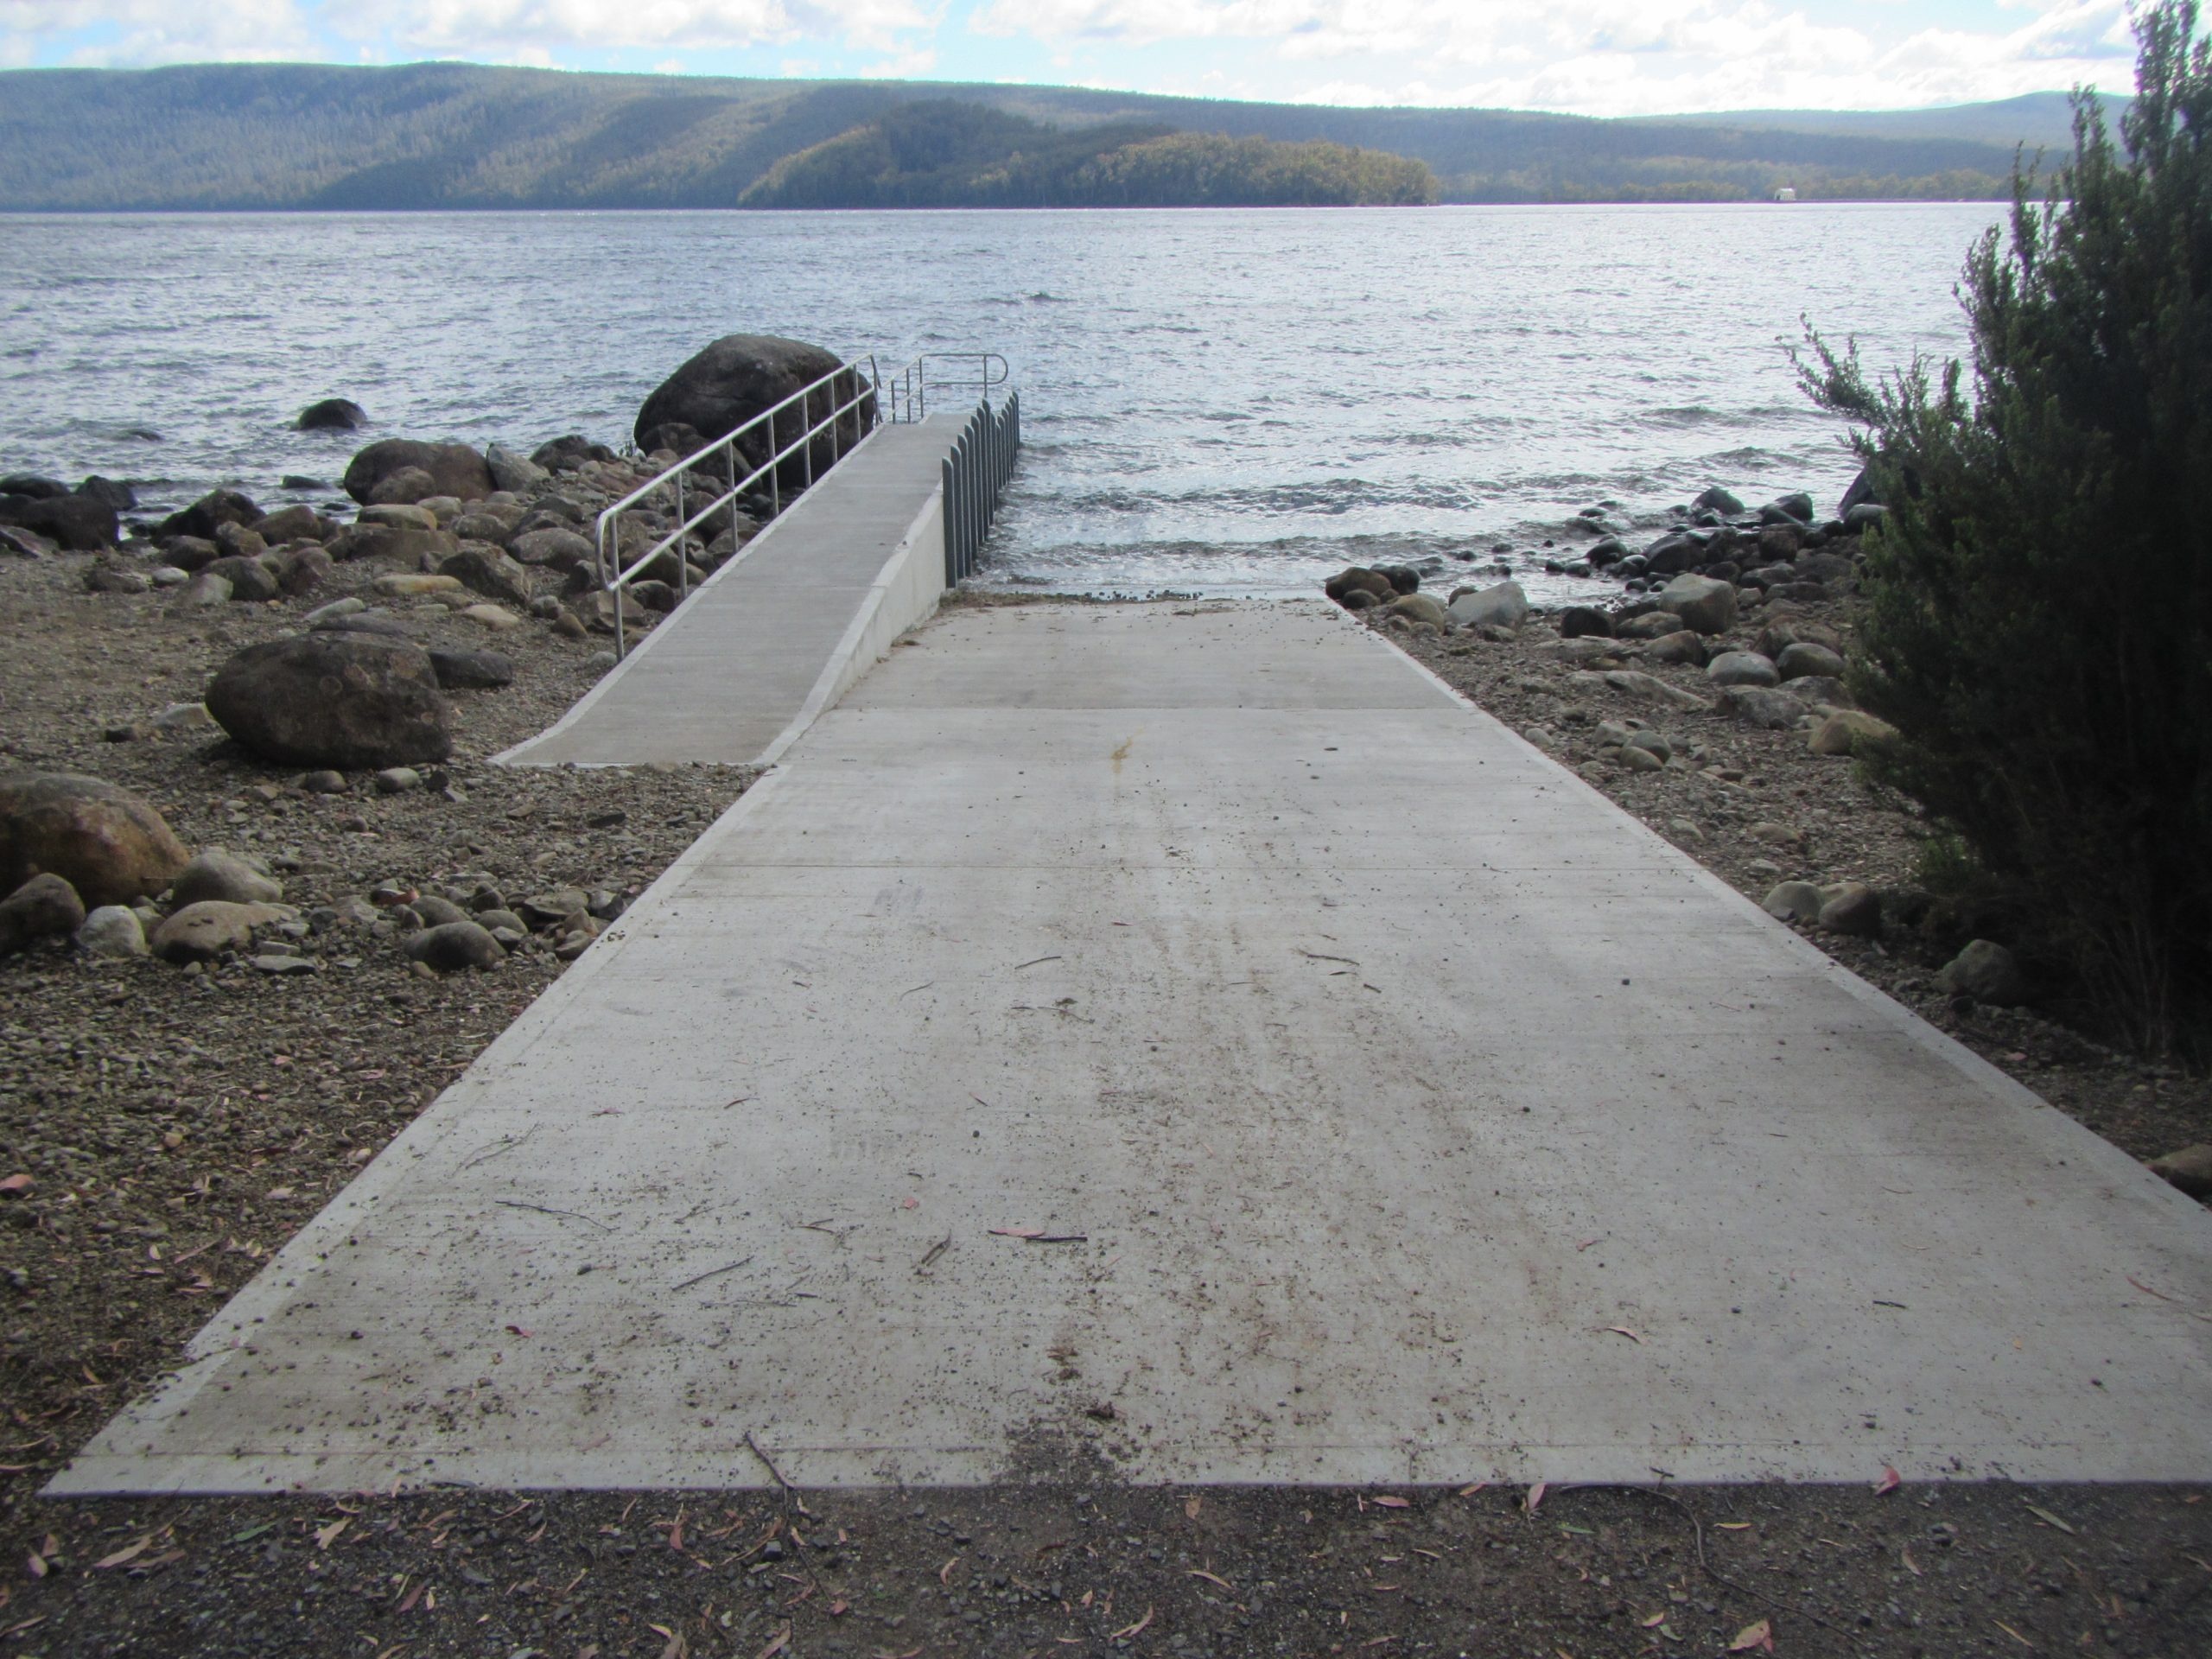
[[2039, 621]]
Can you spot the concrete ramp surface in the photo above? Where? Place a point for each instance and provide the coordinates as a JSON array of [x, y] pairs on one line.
[[1193, 1043]]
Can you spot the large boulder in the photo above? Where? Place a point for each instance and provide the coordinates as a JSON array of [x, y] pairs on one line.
[[485, 569], [209, 514], [79, 522], [741, 375], [1505, 605], [106, 843], [1702, 602], [334, 697], [333, 415], [454, 469]]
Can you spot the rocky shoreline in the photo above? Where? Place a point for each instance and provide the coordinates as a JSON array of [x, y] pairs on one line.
[[1709, 701]]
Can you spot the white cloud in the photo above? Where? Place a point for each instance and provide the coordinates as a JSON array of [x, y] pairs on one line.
[[161, 31]]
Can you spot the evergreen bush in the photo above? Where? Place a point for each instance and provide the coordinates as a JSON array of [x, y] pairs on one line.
[[2040, 616]]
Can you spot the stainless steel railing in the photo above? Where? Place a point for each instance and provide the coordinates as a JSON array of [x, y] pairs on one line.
[[967, 375], [858, 398]]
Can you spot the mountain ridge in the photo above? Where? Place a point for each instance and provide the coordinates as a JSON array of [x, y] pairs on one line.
[[231, 136]]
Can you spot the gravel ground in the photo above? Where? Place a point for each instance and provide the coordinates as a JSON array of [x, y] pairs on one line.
[[180, 1126]]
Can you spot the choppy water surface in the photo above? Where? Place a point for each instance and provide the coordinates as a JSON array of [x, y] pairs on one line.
[[1230, 401]]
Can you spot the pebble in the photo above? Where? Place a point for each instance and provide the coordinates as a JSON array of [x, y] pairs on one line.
[[451, 946], [497, 618], [113, 931], [398, 780]]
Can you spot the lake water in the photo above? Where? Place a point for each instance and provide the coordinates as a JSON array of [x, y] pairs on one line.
[[1228, 402]]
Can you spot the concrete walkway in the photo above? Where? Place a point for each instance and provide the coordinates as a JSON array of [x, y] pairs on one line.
[[772, 638], [1393, 1108]]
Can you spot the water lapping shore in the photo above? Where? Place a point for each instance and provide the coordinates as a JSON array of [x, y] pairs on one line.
[[1220, 402]]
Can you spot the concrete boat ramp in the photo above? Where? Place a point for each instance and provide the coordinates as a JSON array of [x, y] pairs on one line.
[[1191, 1043]]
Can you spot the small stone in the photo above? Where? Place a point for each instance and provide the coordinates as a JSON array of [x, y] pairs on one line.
[[543, 909], [437, 912], [185, 717], [1683, 829], [398, 780], [281, 963], [203, 932], [1844, 730], [2189, 1169], [1986, 971], [451, 946], [223, 875], [409, 584], [1793, 901], [348, 605], [325, 782], [471, 670], [46, 907], [1851, 908], [1634, 758], [497, 618], [1741, 668], [1803, 657], [113, 931], [1504, 605]]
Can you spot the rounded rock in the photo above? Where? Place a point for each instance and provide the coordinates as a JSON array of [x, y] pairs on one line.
[[107, 843], [452, 946]]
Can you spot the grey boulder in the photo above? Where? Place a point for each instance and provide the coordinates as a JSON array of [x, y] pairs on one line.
[[1986, 971], [215, 873], [1505, 605], [334, 697]]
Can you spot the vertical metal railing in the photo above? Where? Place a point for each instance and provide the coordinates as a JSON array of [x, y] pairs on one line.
[[975, 476]]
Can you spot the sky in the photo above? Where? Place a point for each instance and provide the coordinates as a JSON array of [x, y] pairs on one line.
[[1588, 57]]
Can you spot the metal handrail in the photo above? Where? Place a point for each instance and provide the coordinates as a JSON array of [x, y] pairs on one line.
[[608, 526], [903, 398], [908, 392]]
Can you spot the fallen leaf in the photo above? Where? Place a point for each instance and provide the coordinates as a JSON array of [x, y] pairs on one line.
[[675, 1650], [782, 1639], [2014, 1634], [910, 1203], [1733, 1526], [128, 1553], [1904, 1554], [1137, 1628], [36, 1565], [1469, 1491], [1754, 1637], [519, 1331], [1536, 1497], [839, 1609], [407, 1602], [2146, 1289], [278, 1192], [1580, 1532], [1654, 1621], [1622, 1331], [944, 1572], [1191, 1506], [2045, 1514], [1890, 1482], [17, 1184], [325, 1537], [1198, 1573], [1392, 1503]]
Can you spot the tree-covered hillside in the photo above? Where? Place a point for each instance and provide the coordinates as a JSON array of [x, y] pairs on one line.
[[945, 154], [452, 134]]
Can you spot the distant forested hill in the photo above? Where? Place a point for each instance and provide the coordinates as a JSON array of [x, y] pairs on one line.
[[448, 135]]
